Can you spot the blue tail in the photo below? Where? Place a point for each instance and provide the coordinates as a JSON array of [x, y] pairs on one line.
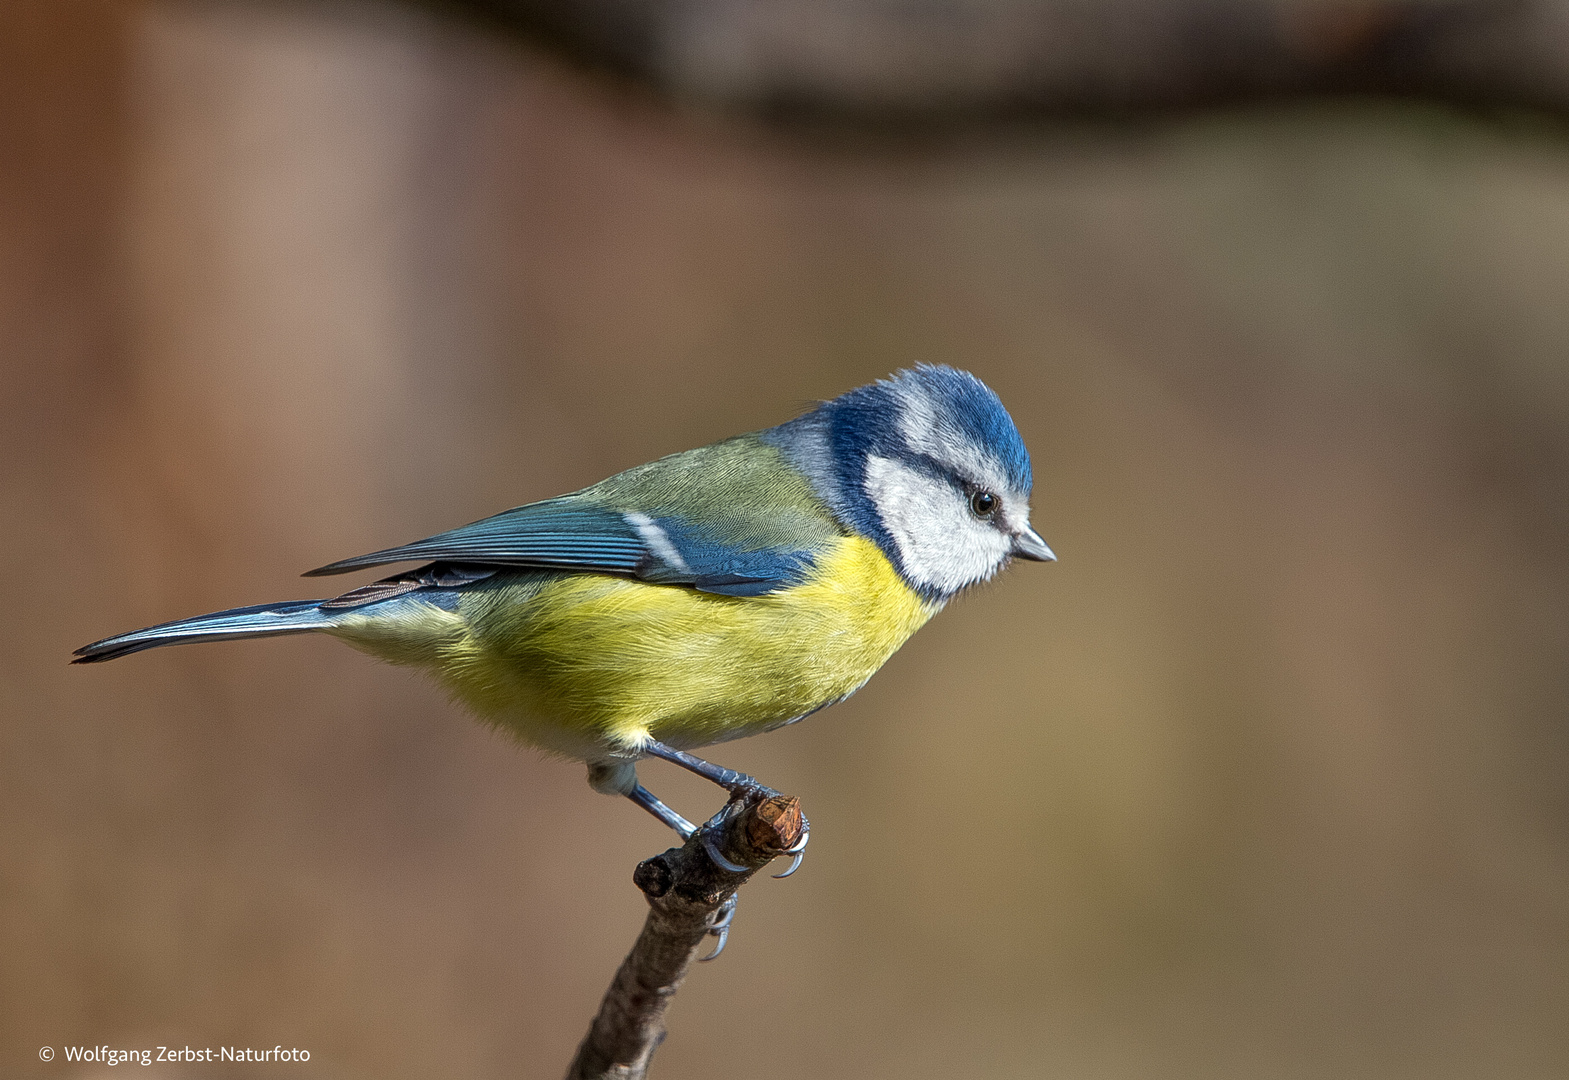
[[263, 620]]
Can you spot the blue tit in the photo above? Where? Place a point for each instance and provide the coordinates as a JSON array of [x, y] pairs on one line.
[[702, 597]]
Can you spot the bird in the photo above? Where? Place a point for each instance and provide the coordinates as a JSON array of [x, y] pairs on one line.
[[705, 596]]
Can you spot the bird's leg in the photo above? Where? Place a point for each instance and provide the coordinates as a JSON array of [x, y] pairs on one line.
[[619, 777], [732, 781], [650, 802], [615, 777], [737, 784]]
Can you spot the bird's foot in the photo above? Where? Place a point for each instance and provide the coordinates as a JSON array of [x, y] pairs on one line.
[[776, 820], [710, 846], [745, 793], [720, 927]]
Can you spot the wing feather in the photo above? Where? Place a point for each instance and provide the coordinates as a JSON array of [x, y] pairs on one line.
[[731, 518], [565, 533], [555, 533]]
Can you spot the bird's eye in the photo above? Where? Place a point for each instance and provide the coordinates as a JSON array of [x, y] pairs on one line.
[[983, 504]]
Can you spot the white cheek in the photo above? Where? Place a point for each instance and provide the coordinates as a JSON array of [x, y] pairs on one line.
[[940, 542]]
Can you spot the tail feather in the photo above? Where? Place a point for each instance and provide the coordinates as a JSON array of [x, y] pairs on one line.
[[263, 620]]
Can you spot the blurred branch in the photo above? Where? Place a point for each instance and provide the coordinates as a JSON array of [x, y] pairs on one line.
[[686, 890], [922, 59]]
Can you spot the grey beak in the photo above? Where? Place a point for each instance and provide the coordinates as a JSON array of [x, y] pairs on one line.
[[1029, 545]]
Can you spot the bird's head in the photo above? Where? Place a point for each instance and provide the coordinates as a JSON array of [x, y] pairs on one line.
[[928, 464]]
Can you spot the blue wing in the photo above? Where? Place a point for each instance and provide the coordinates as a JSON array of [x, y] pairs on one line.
[[573, 533], [557, 532]]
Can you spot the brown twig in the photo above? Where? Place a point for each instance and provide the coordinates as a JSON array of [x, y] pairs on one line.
[[915, 61], [686, 891]]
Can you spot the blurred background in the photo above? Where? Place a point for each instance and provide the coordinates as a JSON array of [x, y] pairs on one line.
[[1265, 779]]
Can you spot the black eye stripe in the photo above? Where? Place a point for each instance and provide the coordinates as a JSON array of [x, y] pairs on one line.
[[967, 486]]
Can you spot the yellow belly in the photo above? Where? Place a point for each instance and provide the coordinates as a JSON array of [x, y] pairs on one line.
[[585, 664]]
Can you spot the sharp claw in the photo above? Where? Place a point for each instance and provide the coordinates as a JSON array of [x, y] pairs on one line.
[[799, 850], [724, 936], [721, 862], [795, 864], [720, 928], [800, 845]]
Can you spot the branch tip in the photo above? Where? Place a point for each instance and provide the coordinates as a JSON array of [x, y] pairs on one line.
[[685, 889]]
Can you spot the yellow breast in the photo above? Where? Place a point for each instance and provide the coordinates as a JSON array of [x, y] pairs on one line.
[[580, 663]]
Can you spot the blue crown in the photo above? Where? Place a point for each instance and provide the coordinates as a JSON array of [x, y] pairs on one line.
[[867, 420]]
